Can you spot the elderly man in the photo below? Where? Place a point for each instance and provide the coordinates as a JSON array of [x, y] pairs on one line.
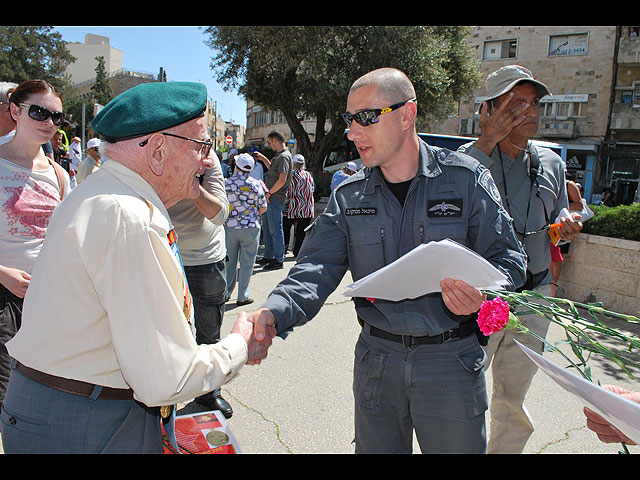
[[531, 181], [418, 362], [7, 123], [97, 373]]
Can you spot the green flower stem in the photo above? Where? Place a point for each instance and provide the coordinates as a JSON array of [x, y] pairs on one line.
[[564, 312]]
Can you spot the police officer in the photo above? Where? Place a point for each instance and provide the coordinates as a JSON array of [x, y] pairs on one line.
[[418, 362], [531, 181]]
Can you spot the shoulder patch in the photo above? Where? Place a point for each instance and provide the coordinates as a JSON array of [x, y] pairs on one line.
[[485, 180], [457, 159]]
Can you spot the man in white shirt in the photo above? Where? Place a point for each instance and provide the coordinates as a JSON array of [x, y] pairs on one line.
[[7, 124], [101, 373], [91, 162]]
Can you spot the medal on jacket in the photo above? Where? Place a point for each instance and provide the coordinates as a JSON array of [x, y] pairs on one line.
[[168, 412], [188, 301]]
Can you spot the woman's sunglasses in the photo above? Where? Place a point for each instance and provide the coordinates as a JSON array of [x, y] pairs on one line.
[[40, 114], [367, 117]]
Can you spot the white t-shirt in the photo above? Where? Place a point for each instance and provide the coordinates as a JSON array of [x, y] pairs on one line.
[[9, 136], [27, 200]]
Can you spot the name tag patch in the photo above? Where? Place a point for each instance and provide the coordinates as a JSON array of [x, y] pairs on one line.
[[361, 211], [449, 207]]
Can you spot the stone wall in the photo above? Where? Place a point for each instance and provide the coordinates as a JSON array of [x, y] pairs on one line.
[[602, 269]]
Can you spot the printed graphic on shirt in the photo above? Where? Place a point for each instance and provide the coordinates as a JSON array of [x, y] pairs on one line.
[[246, 197], [27, 204], [449, 207]]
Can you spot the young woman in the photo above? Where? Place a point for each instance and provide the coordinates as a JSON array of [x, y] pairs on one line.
[[31, 186]]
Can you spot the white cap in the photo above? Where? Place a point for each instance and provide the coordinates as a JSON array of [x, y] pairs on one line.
[[245, 162], [298, 158], [94, 142], [352, 166]]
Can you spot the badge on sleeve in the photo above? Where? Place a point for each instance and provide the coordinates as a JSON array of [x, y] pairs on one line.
[[445, 208], [485, 180]]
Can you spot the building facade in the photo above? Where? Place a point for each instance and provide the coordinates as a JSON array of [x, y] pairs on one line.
[[594, 77]]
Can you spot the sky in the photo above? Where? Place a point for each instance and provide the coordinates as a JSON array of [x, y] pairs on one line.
[[181, 51]]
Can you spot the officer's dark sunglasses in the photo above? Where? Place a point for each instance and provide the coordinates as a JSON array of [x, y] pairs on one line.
[[367, 117], [40, 114]]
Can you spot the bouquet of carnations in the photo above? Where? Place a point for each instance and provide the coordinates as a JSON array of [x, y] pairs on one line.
[[584, 334]]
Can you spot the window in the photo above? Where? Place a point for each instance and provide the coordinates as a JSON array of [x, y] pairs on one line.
[[500, 49], [564, 106], [568, 45]]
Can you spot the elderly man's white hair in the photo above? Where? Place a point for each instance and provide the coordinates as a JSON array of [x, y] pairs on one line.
[[4, 90]]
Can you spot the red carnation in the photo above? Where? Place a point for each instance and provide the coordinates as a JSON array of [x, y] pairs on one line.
[[493, 316]]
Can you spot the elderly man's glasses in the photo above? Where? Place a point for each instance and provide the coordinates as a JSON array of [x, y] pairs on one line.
[[40, 114], [205, 147], [367, 117]]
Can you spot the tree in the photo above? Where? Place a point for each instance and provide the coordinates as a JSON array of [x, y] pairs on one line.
[[101, 89], [308, 70], [28, 52]]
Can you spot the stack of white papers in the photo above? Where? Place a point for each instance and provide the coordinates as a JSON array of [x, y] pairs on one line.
[[621, 412], [420, 271]]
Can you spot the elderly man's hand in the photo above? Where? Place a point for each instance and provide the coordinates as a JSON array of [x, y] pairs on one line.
[[257, 332], [461, 298]]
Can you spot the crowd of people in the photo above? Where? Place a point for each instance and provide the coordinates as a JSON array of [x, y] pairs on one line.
[[154, 234]]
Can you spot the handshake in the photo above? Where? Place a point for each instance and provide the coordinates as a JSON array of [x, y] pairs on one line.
[[258, 330]]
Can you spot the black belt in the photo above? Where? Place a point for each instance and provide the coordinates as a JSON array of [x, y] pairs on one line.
[[75, 387], [461, 331]]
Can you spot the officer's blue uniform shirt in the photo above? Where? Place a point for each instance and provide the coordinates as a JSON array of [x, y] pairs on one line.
[[364, 227], [538, 205]]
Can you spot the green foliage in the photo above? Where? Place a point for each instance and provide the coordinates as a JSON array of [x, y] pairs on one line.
[[622, 221], [33, 52], [308, 70]]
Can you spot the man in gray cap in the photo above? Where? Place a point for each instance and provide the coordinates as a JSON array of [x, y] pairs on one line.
[[531, 181], [98, 374]]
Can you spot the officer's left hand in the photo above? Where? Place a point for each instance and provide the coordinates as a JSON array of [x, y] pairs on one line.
[[461, 298], [570, 227]]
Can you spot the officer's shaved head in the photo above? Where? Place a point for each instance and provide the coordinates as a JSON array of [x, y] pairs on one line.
[[394, 86]]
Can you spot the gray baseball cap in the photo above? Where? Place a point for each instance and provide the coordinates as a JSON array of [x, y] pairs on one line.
[[504, 79]]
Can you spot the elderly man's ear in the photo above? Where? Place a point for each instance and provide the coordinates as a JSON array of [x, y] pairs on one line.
[[156, 154]]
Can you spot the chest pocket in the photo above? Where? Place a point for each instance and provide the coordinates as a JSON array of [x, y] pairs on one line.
[[435, 230], [367, 248]]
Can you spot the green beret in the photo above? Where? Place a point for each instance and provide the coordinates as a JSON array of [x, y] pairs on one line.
[[149, 108]]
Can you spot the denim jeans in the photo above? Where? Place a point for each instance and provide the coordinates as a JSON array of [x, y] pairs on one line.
[[242, 248], [208, 286], [273, 232]]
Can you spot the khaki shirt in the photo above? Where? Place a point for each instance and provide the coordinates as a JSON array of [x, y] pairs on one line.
[[106, 303]]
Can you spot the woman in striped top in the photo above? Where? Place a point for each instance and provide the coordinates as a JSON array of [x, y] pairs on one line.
[[300, 203]]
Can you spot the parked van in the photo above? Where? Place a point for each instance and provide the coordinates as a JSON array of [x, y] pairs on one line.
[[347, 151]]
